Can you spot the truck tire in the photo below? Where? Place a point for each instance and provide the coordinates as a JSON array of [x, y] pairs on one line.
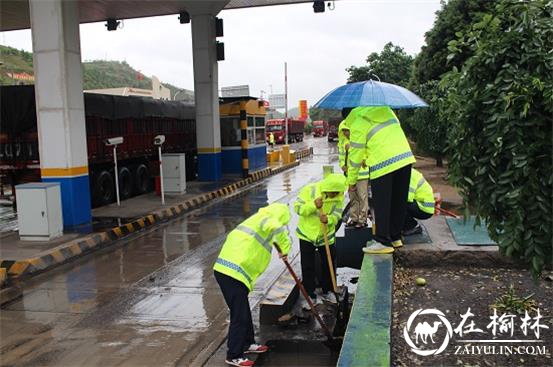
[[141, 179], [125, 183], [104, 189]]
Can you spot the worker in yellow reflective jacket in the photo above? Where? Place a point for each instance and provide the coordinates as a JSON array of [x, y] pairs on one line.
[[359, 198], [377, 136], [272, 140], [420, 203], [244, 256], [319, 206]]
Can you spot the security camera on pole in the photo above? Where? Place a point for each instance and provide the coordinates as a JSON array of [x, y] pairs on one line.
[[114, 142], [159, 140]]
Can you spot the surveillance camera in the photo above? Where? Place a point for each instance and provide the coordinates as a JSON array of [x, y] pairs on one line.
[[114, 141], [112, 24], [318, 6], [184, 17], [160, 139]]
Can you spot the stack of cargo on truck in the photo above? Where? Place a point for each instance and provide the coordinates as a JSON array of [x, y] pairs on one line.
[[277, 127], [137, 119]]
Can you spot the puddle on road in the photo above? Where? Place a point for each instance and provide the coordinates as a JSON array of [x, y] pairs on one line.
[[297, 353]]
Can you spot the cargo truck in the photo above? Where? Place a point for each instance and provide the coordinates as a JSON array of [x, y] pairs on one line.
[[320, 128], [277, 127]]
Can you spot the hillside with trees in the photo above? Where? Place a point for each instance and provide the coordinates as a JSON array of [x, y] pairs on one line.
[[97, 74]]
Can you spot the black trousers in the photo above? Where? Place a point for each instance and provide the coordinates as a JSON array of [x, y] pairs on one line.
[[310, 254], [413, 211], [240, 331], [390, 201]]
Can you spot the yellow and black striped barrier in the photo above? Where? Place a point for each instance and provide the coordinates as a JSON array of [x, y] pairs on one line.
[[244, 139], [61, 254]]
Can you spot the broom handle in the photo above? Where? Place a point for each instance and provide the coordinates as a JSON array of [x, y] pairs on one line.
[[305, 295], [328, 256]]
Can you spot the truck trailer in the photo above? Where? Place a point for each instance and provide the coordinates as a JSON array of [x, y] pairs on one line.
[[277, 127], [137, 119]]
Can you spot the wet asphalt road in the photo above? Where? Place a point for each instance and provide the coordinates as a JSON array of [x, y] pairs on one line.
[[152, 300]]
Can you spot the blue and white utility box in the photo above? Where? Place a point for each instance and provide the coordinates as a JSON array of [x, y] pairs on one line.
[[39, 211]]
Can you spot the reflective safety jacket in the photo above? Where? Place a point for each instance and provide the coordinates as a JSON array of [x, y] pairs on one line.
[[343, 141], [421, 192], [376, 133], [246, 252], [310, 227], [271, 138], [343, 147]]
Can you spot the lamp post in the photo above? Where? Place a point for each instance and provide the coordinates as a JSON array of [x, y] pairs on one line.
[[286, 103], [159, 140], [114, 142]]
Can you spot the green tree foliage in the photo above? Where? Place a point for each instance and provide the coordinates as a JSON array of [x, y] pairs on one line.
[[429, 125], [97, 74], [500, 110], [455, 16], [14, 61], [112, 74], [391, 65], [323, 114]]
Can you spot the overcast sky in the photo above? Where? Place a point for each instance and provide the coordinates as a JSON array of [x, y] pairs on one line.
[[318, 47]]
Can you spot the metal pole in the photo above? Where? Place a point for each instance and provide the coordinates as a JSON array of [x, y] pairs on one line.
[[116, 175], [286, 102], [161, 177]]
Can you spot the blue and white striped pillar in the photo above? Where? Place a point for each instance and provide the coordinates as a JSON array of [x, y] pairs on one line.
[[60, 104], [208, 130]]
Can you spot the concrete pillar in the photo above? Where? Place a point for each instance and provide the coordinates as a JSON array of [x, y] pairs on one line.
[[60, 104], [208, 131]]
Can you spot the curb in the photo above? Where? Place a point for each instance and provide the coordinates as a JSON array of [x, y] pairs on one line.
[[368, 336], [10, 294], [3, 277], [67, 251]]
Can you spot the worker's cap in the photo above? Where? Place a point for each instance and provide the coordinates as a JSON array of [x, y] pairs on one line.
[[278, 211], [334, 182]]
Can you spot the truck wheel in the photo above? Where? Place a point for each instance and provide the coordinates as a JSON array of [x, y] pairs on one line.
[[125, 183], [142, 180], [104, 189]]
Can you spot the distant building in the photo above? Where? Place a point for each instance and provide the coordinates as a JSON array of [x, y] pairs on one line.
[[185, 95], [158, 91]]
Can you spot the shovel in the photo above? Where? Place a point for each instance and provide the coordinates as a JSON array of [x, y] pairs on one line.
[[343, 309], [331, 342]]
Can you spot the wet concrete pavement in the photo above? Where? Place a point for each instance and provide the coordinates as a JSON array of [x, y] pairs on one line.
[[152, 300]]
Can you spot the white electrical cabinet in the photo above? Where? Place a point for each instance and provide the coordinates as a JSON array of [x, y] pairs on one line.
[[174, 173], [39, 211]]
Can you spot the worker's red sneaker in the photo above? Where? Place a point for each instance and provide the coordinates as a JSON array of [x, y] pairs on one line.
[[257, 349], [240, 362]]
